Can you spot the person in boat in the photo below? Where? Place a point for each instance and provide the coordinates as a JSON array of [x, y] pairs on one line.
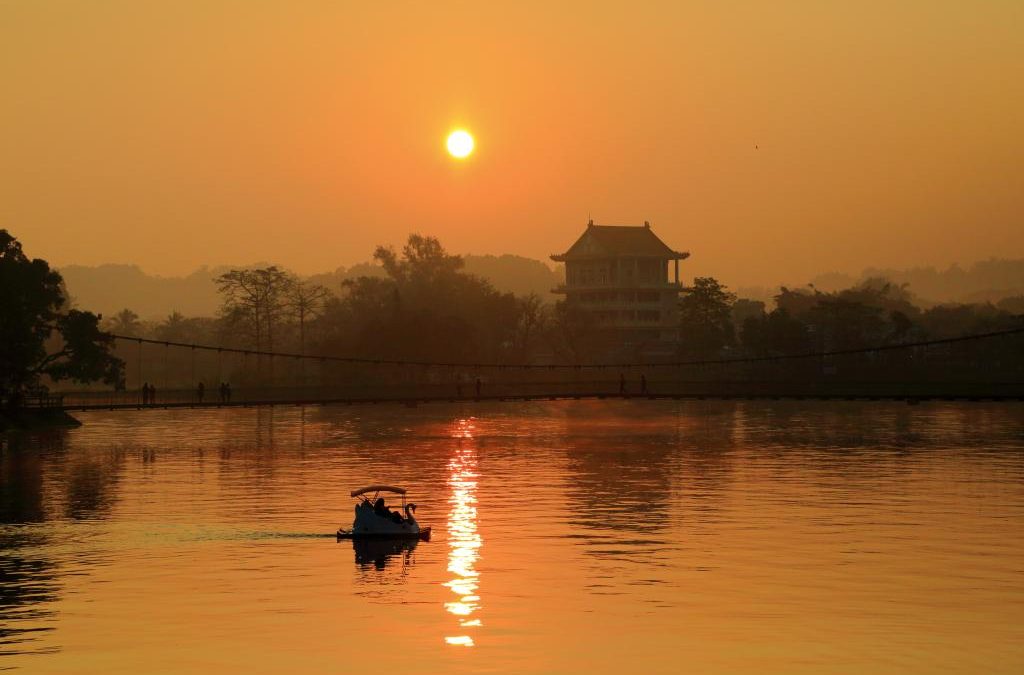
[[381, 509]]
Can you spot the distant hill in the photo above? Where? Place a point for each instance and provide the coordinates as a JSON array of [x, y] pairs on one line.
[[994, 280], [109, 288], [984, 281], [515, 274]]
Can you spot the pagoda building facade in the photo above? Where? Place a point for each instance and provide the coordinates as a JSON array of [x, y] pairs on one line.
[[620, 276]]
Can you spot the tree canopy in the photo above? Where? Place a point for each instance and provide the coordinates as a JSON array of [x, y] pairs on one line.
[[41, 336], [705, 313], [426, 307]]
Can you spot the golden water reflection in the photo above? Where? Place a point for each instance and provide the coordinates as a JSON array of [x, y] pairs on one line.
[[464, 540]]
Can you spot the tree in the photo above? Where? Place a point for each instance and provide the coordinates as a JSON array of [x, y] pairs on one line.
[[842, 323], [40, 336], [775, 334], [255, 298], [125, 322], [174, 328], [424, 261], [706, 318], [425, 308], [532, 318], [306, 301], [743, 309], [573, 334]]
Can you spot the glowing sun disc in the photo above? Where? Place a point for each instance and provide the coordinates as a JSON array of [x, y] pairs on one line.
[[460, 144]]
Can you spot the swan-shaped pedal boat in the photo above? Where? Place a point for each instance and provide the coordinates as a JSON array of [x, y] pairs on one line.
[[375, 521]]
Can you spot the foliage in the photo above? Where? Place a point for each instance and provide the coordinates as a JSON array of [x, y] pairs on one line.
[[306, 301], [40, 336], [425, 308], [254, 300], [572, 334], [775, 334], [126, 322], [873, 312], [705, 313]]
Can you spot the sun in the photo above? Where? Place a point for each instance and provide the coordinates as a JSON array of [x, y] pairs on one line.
[[460, 144]]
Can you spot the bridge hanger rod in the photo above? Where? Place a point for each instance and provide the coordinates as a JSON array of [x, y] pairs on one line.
[[583, 366]]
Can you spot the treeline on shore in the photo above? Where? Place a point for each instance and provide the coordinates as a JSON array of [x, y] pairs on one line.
[[422, 305]]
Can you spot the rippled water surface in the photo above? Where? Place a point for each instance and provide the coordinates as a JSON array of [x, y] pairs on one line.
[[568, 537]]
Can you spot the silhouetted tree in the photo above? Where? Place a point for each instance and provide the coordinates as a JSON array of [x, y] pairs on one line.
[[125, 322], [256, 300], [38, 335], [174, 328], [425, 307], [306, 302], [532, 319], [1012, 305], [775, 334], [743, 309], [706, 318], [574, 335]]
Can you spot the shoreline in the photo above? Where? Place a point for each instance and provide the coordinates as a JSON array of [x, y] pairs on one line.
[[34, 419]]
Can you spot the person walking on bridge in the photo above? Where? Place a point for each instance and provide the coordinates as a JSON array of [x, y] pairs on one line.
[[643, 383], [622, 383], [200, 392], [478, 385]]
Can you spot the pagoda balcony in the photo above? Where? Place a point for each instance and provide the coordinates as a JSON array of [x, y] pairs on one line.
[[563, 289], [622, 323]]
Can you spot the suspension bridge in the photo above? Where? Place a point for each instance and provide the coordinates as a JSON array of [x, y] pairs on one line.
[[976, 367]]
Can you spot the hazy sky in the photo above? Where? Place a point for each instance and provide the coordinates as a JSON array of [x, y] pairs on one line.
[[773, 140]]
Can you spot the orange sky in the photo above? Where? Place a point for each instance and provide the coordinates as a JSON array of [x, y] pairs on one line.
[[174, 134]]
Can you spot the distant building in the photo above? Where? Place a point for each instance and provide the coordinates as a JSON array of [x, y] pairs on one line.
[[620, 275]]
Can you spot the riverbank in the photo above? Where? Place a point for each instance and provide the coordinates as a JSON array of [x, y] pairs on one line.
[[40, 418]]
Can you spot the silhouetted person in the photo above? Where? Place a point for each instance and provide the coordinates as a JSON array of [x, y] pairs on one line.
[[478, 385], [643, 383], [227, 391], [381, 509], [222, 390], [200, 392], [622, 383]]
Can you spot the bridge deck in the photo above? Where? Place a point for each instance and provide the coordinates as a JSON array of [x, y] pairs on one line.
[[415, 400]]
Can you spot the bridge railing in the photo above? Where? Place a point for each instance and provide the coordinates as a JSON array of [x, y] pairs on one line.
[[560, 389]]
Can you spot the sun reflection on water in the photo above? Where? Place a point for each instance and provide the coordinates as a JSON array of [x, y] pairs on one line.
[[463, 539]]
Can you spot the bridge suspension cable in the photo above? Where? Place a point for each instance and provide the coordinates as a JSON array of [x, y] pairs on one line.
[[580, 366]]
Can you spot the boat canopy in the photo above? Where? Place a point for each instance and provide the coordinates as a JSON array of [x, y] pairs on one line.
[[378, 488]]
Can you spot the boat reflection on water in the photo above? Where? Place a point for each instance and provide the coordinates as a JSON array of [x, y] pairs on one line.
[[381, 553], [464, 540]]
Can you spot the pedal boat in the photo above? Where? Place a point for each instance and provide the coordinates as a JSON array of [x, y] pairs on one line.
[[370, 525]]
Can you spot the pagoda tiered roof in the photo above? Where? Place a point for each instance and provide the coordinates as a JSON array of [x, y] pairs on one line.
[[619, 241]]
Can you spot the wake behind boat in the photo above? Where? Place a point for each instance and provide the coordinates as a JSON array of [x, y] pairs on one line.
[[374, 520]]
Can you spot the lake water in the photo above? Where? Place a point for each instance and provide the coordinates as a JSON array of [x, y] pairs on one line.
[[597, 537]]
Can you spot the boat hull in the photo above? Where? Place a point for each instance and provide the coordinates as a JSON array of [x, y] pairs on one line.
[[423, 534]]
